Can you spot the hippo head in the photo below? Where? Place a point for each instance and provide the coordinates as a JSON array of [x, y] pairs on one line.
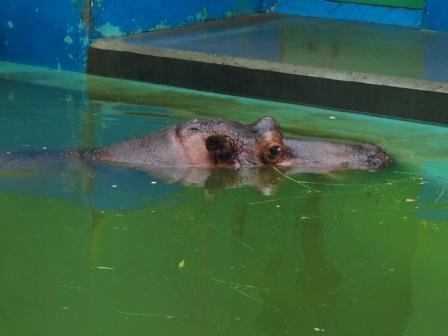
[[221, 143]]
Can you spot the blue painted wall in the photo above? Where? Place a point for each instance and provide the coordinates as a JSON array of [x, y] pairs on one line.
[[56, 33], [118, 17], [43, 32], [436, 15]]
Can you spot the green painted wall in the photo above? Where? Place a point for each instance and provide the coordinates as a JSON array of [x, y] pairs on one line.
[[394, 3]]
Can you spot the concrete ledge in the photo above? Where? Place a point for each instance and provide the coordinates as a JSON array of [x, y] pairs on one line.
[[354, 91]]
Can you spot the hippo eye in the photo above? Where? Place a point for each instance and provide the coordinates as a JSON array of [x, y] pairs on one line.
[[271, 149], [274, 151], [273, 154]]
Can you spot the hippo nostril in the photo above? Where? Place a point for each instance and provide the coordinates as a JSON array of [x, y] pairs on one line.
[[372, 155], [375, 163], [376, 157]]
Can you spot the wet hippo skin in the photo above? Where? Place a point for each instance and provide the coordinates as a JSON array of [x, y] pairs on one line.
[[215, 143], [222, 143]]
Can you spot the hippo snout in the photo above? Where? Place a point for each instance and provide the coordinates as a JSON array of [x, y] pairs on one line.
[[375, 156]]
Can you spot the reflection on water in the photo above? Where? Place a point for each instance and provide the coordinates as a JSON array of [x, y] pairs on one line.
[[99, 250]]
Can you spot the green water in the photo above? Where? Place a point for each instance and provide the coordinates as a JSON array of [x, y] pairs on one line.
[[116, 252]]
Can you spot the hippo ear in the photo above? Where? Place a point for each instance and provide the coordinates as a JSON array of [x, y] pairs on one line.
[[265, 124], [222, 148]]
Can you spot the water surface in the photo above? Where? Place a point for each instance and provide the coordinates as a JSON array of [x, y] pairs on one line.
[[109, 251]]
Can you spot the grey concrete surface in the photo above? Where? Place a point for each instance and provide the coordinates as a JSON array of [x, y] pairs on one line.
[[358, 67]]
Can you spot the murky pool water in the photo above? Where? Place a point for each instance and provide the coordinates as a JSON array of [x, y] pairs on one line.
[[109, 251]]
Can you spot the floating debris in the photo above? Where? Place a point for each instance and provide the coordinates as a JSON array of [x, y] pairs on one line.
[[104, 268], [319, 329], [182, 264], [291, 179], [440, 195], [167, 316]]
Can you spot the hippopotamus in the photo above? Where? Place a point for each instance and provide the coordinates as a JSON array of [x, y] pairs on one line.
[[227, 144], [217, 143], [190, 154]]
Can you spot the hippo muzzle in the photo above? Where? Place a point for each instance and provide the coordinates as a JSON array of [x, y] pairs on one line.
[[373, 157], [318, 155]]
